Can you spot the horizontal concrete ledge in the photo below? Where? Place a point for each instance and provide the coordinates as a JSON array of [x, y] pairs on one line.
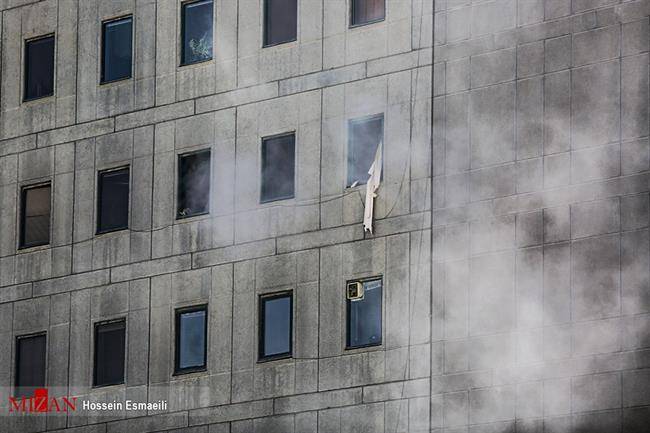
[[234, 253], [151, 268], [151, 423], [234, 98], [319, 400], [396, 390], [16, 292], [231, 412], [162, 113], [76, 132], [72, 282]]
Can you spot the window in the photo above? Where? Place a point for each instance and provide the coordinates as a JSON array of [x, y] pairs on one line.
[[278, 167], [280, 21], [35, 222], [196, 32], [364, 316], [275, 326], [30, 364], [113, 200], [364, 135], [193, 184], [39, 68], [109, 353], [191, 332], [117, 48], [367, 11]]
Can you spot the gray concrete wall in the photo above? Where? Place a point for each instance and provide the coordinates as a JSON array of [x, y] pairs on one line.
[[536, 318]]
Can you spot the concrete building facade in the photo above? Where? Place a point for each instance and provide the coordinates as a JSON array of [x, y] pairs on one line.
[[511, 224]]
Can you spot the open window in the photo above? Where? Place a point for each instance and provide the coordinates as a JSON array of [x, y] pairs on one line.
[[110, 338], [275, 326], [280, 21], [364, 136], [193, 184], [35, 216], [364, 313], [278, 167], [367, 11], [30, 364], [113, 200], [196, 31], [191, 339], [39, 68], [117, 49]]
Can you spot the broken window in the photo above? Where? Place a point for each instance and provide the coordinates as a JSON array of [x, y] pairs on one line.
[[364, 135], [113, 200], [191, 340], [276, 316], [35, 222], [193, 184], [367, 11], [117, 38], [280, 21], [39, 68], [30, 364], [364, 313], [196, 31], [109, 353], [278, 167]]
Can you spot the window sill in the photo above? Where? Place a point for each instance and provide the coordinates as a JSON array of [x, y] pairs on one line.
[[103, 233], [195, 64], [368, 23], [31, 248], [189, 372], [115, 81], [103, 387], [278, 44], [277, 199], [38, 99], [281, 357], [365, 348], [190, 218]]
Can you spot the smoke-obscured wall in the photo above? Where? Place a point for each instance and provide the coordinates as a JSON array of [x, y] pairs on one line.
[[511, 229], [540, 217]]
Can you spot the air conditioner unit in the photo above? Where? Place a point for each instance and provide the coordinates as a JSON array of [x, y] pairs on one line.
[[355, 290]]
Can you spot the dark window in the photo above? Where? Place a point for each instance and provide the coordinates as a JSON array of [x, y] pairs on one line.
[[275, 326], [278, 167], [193, 184], [364, 135], [117, 37], [109, 353], [364, 316], [30, 364], [367, 11], [39, 68], [196, 32], [191, 331], [113, 201], [280, 21], [35, 224]]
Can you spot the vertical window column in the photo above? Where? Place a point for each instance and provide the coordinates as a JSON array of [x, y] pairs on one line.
[[193, 184], [110, 351], [35, 216], [278, 167], [364, 135], [191, 339], [117, 49], [280, 21], [113, 200], [367, 11], [275, 326], [30, 364], [196, 31], [364, 314], [39, 68]]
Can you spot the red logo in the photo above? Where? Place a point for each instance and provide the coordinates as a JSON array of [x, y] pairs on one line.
[[42, 402]]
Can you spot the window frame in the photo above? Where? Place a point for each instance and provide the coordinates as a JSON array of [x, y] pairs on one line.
[[261, 358], [363, 119], [295, 165], [102, 81], [26, 67], [16, 386], [96, 327], [353, 25], [348, 346], [100, 189], [22, 217], [265, 44], [181, 50], [178, 216], [177, 338]]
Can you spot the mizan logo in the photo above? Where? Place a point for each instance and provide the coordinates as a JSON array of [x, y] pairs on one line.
[[42, 402]]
